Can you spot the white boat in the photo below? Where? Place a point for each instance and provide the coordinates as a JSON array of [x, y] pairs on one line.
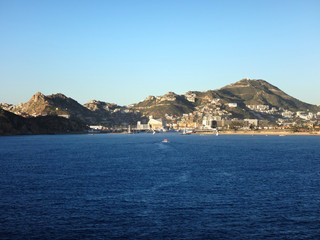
[[165, 141]]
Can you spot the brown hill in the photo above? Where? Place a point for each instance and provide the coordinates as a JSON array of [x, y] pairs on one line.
[[244, 92]]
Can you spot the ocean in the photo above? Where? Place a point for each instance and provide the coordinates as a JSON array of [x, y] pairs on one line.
[[118, 186]]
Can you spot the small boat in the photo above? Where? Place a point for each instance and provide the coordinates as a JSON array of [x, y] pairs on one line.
[[165, 141]]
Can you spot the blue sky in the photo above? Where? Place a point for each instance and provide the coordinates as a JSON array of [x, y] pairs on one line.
[[123, 51]]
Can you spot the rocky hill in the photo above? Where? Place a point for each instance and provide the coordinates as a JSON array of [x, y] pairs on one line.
[[244, 92], [11, 124], [255, 92], [55, 104], [91, 113], [232, 101]]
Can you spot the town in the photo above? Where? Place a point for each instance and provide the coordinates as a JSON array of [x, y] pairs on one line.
[[215, 117]]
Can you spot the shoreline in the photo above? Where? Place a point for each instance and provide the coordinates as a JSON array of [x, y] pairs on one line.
[[280, 133], [238, 132]]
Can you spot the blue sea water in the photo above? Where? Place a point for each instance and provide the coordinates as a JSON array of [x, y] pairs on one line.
[[134, 186]]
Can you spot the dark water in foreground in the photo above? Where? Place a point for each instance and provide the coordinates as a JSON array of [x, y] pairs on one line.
[[135, 186]]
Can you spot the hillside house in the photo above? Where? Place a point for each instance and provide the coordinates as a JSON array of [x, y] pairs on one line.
[[287, 114], [232, 105], [259, 108]]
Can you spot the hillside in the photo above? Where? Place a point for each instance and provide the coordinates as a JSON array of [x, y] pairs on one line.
[[244, 92], [99, 106], [169, 103], [110, 114], [11, 124], [238, 100], [93, 112], [255, 92]]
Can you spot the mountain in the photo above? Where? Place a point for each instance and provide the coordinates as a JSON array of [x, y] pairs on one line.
[[55, 104], [244, 92], [240, 100], [256, 92], [12, 124]]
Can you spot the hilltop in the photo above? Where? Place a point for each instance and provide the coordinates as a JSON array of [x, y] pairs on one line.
[[260, 92]]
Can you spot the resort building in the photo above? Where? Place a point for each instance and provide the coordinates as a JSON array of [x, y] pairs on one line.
[[156, 123], [141, 126]]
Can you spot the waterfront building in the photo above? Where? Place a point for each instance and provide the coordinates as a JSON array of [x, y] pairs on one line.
[[156, 123], [141, 126]]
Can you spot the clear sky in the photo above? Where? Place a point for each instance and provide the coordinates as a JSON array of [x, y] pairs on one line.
[[123, 51]]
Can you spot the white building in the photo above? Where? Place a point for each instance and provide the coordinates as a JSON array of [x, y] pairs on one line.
[[94, 127], [303, 115], [254, 122], [156, 123], [259, 108], [232, 105], [209, 121], [287, 114], [141, 126]]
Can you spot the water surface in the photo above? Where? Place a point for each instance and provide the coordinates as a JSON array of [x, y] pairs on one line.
[[135, 186]]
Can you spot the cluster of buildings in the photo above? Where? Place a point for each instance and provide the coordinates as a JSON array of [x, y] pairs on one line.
[[211, 114], [216, 116]]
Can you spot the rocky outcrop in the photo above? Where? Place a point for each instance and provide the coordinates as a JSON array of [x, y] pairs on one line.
[[95, 105]]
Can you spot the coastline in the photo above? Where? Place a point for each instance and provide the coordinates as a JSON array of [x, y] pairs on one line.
[[237, 132], [280, 133]]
